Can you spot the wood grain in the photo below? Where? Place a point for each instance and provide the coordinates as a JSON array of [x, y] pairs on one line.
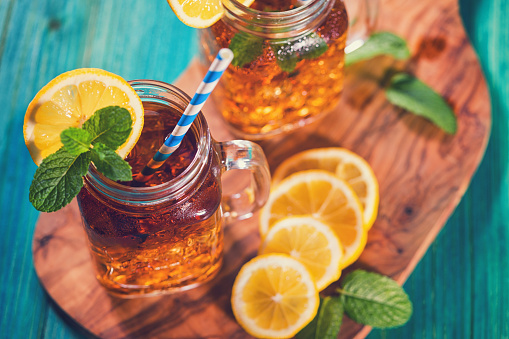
[[423, 174]]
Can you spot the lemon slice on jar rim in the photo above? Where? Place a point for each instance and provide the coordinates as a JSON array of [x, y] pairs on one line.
[[69, 100], [200, 13]]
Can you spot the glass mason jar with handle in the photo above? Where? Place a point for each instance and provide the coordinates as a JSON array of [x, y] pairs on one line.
[[288, 65], [167, 235], [362, 17]]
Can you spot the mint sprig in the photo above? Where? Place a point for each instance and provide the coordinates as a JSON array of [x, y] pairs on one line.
[[246, 48], [58, 179], [367, 298]]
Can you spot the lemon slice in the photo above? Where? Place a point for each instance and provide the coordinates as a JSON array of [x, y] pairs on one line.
[[311, 242], [200, 13], [274, 296], [324, 196], [345, 164], [69, 100]]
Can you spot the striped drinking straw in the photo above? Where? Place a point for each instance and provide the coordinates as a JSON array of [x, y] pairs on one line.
[[172, 142]]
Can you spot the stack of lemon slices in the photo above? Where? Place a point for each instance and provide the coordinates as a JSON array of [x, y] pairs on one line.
[[314, 224]]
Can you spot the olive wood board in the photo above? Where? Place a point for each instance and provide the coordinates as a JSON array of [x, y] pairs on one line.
[[423, 173]]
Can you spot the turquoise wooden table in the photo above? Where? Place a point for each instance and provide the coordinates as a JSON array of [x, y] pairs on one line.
[[460, 289]]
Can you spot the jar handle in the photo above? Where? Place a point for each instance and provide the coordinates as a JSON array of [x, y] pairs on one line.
[[244, 155], [362, 18]]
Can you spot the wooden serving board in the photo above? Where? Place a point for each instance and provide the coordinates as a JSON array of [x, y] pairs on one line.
[[423, 174]]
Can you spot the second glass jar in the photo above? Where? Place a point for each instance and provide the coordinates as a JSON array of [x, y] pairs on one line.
[[288, 65]]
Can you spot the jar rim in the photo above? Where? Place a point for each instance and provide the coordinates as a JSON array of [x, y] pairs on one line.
[[277, 25], [288, 12], [177, 186]]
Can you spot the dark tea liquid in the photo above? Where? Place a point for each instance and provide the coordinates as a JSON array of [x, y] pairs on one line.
[[164, 247], [158, 123]]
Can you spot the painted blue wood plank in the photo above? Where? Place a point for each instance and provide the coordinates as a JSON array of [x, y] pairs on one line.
[[151, 45], [58, 325], [5, 17], [54, 37], [22, 73]]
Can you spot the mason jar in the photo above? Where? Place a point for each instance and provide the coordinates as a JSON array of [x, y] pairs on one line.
[[166, 235], [288, 64]]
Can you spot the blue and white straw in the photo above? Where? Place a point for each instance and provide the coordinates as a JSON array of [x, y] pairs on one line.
[[172, 142]]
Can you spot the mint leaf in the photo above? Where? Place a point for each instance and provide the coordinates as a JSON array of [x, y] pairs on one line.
[[76, 140], [375, 300], [289, 52], [246, 48], [110, 163], [326, 323], [415, 96], [58, 180], [286, 56], [381, 43], [59, 177], [312, 46], [110, 126]]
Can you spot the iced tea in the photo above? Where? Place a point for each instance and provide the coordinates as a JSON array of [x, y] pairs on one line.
[[155, 241], [288, 66]]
